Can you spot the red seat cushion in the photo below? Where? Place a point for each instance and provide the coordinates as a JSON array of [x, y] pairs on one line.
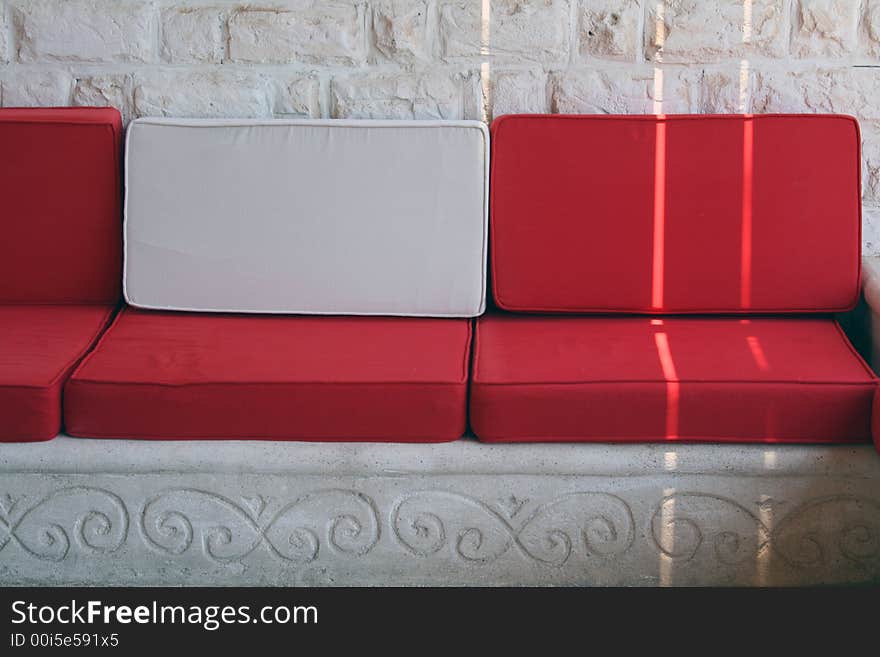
[[695, 379], [39, 346], [61, 221], [676, 214], [183, 375]]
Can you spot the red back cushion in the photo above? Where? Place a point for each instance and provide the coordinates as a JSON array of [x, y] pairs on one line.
[[675, 214], [61, 217]]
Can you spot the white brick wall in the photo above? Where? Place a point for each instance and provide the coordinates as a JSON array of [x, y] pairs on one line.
[[85, 31], [450, 59], [4, 33]]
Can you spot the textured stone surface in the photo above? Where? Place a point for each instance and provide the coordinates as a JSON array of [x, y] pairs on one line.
[[298, 96], [326, 33], [825, 27], [724, 90], [35, 88], [210, 94], [193, 34], [122, 512], [608, 28], [4, 33], [104, 90], [597, 92], [871, 28], [871, 245], [871, 165], [400, 30], [698, 31], [86, 31], [648, 90], [848, 91], [619, 91], [534, 30], [517, 91], [436, 96]]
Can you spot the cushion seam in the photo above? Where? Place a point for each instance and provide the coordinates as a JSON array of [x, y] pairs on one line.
[[670, 311], [670, 441], [674, 117], [88, 357], [71, 364], [83, 381], [855, 354], [465, 361], [77, 378], [866, 384], [288, 437]]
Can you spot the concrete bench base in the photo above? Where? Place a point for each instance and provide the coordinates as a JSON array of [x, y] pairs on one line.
[[233, 513]]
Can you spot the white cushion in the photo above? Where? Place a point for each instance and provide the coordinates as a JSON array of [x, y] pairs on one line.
[[307, 216]]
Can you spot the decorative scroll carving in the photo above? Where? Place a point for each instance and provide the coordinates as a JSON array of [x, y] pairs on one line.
[[89, 520], [596, 524], [319, 529], [685, 522], [343, 521], [811, 535], [819, 530]]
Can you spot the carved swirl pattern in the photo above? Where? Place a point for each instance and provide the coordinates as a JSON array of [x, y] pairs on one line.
[[811, 535], [90, 520], [227, 531], [81, 521], [596, 524]]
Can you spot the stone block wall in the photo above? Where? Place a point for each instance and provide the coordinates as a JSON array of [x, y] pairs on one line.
[[420, 59]]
